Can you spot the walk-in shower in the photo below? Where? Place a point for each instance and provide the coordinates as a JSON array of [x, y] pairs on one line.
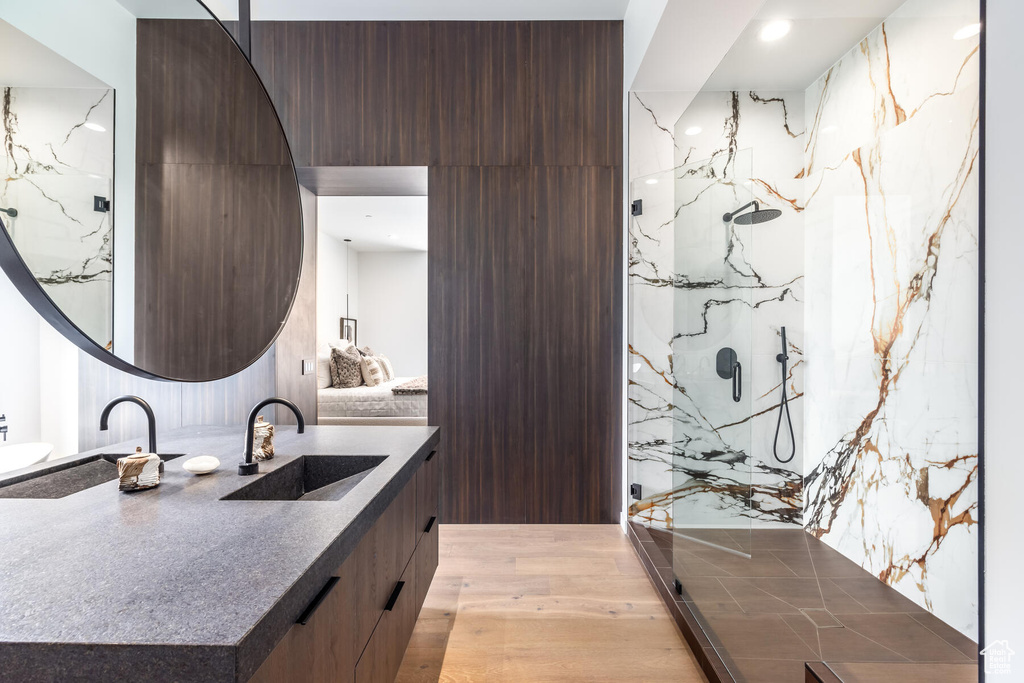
[[803, 362]]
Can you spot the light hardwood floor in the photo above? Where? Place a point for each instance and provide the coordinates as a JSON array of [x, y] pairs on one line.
[[543, 603]]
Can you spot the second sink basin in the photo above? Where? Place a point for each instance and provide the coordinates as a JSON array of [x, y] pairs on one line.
[[310, 478], [67, 478]]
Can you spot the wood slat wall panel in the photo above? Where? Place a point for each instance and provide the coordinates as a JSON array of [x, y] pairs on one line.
[[521, 124], [211, 292], [446, 93], [298, 338], [481, 80], [216, 206], [525, 342]]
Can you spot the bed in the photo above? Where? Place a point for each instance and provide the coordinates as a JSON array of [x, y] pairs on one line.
[[371, 405]]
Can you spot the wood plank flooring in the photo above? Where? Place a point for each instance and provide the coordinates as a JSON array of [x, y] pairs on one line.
[[543, 603]]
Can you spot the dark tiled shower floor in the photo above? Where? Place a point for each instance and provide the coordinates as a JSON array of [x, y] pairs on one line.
[[796, 600]]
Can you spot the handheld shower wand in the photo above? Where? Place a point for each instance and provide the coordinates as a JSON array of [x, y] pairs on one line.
[[783, 358]]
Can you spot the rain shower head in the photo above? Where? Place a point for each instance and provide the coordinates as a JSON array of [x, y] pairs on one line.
[[758, 215]]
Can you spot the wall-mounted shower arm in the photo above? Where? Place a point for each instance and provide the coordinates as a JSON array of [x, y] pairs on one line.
[[727, 218]]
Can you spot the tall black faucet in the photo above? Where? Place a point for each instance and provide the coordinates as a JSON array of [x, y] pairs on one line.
[[248, 465], [3, 428], [150, 418]]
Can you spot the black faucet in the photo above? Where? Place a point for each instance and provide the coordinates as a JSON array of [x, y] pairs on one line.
[[248, 465], [139, 402], [3, 428]]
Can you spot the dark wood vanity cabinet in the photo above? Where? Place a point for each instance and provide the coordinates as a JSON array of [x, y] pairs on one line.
[[361, 629]]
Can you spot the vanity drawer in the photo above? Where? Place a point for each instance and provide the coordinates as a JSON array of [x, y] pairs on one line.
[[383, 655], [428, 491], [391, 542], [353, 612], [310, 652], [425, 561]]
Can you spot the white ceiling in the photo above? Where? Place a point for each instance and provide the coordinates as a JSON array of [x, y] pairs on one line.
[[25, 62], [418, 10], [403, 217], [705, 45], [179, 9], [822, 32], [691, 39]]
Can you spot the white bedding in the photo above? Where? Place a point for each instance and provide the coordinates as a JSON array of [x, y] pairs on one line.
[[370, 402]]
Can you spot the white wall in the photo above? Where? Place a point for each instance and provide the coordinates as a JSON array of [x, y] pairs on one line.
[[39, 370], [336, 275], [393, 308], [1004, 328], [19, 365], [99, 36]]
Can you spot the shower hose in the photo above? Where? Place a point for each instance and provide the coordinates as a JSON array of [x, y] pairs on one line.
[[783, 358]]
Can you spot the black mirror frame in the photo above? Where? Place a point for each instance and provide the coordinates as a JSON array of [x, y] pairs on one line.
[[21, 276]]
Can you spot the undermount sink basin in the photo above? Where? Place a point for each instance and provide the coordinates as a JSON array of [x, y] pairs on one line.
[[17, 456], [310, 478], [65, 479]]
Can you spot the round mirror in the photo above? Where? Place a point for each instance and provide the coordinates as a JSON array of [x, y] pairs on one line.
[[149, 207]]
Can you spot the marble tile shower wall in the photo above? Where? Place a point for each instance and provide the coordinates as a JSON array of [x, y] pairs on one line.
[[876, 253], [53, 167], [891, 218], [751, 146]]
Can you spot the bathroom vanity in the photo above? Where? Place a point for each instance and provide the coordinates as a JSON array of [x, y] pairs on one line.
[[315, 569]]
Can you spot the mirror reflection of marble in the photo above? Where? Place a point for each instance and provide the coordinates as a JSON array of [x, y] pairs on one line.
[[149, 204]]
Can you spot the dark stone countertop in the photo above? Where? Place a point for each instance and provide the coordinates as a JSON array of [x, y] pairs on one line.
[[174, 584]]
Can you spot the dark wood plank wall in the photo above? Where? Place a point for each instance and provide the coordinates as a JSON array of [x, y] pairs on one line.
[[298, 338], [521, 126], [213, 187]]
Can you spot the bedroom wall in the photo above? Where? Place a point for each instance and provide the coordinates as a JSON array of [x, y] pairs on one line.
[[337, 274], [393, 308]]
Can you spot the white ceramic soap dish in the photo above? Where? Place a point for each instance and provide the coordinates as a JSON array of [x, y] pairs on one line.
[[203, 464]]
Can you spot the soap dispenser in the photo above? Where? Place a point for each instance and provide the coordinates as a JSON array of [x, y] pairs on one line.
[[139, 471], [263, 439]]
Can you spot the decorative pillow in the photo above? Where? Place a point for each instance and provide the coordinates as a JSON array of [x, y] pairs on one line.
[[385, 365], [366, 351], [372, 374], [345, 368]]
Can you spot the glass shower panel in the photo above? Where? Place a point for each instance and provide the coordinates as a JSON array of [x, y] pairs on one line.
[[711, 351], [650, 386]]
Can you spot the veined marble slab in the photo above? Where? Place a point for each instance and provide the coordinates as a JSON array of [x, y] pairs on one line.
[[698, 284], [54, 164], [892, 280]]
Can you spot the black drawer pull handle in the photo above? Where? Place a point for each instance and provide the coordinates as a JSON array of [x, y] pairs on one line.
[[307, 614], [430, 525], [430, 457], [394, 596]]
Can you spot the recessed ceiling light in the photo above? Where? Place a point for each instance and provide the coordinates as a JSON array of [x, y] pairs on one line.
[[651, 181], [774, 30], [968, 31], [693, 130], [368, 216], [392, 237], [94, 126]]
